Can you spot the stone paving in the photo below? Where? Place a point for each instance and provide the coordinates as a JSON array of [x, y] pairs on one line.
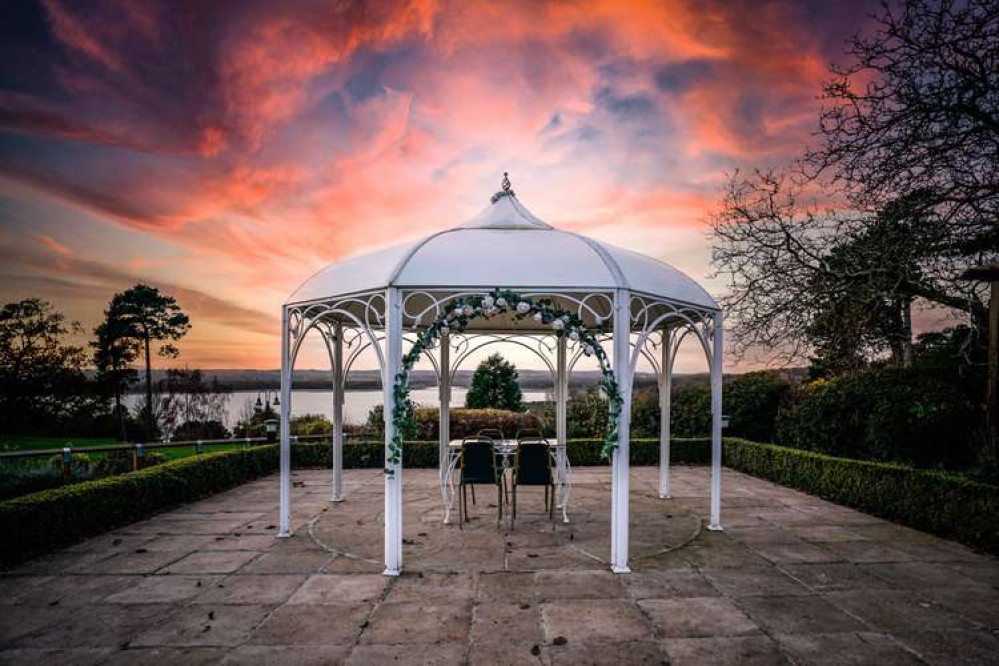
[[792, 580]]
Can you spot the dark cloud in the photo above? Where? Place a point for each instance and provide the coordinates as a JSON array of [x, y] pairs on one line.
[[677, 78], [632, 106]]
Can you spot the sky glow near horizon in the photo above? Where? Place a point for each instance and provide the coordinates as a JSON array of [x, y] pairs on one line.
[[226, 151]]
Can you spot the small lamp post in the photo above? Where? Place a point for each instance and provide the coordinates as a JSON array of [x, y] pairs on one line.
[[271, 426]]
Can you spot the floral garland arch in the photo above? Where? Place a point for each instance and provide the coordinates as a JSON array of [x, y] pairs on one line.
[[462, 311]]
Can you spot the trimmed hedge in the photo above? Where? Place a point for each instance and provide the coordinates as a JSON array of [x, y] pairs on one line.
[[949, 506], [61, 516]]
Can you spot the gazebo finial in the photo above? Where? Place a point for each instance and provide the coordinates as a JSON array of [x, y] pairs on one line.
[[506, 191]]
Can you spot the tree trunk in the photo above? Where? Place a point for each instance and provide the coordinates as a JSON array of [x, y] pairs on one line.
[[906, 333], [149, 394], [119, 414]]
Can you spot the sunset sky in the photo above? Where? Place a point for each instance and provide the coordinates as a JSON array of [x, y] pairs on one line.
[[224, 151]]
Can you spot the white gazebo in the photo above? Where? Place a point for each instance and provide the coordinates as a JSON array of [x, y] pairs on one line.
[[504, 276]]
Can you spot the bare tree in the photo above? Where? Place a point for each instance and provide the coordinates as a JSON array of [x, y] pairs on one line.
[[799, 277], [916, 109]]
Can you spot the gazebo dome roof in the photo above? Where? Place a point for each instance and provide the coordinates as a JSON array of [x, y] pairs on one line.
[[504, 246]]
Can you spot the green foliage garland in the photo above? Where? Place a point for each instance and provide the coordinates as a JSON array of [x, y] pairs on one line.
[[460, 313]]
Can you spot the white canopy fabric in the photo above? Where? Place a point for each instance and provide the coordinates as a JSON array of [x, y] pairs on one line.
[[504, 245]]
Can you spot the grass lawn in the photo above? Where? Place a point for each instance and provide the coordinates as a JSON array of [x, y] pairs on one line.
[[29, 442]]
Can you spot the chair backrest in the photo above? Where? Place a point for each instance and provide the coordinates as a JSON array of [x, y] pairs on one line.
[[478, 462], [528, 434], [492, 433], [534, 467]]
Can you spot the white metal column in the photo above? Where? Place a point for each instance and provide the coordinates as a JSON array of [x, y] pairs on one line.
[[665, 398], [393, 475], [716, 423], [561, 429], [620, 463], [338, 391], [444, 417], [285, 450], [444, 391]]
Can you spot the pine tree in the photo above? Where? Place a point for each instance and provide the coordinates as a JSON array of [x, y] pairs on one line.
[[495, 385]]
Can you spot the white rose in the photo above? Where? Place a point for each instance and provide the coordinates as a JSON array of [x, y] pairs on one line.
[[467, 310], [487, 302], [538, 317], [574, 335], [558, 324], [588, 350], [456, 312], [523, 307], [501, 302]]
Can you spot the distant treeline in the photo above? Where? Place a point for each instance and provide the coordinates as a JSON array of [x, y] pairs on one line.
[[359, 380]]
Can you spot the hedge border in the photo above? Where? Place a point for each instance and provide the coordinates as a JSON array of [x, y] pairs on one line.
[[948, 506]]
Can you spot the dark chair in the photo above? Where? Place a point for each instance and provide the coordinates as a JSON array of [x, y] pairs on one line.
[[478, 467], [529, 433], [534, 468], [496, 435]]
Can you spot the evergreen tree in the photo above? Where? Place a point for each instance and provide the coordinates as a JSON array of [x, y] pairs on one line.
[[495, 385], [145, 315]]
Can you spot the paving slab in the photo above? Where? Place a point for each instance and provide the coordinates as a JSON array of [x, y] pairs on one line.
[[956, 646], [97, 626], [639, 653], [753, 582], [846, 649], [418, 623], [439, 654], [204, 626], [891, 610], [309, 625], [210, 562], [668, 583], [269, 589], [797, 615], [299, 655], [590, 620], [166, 657], [163, 589], [722, 651], [340, 589], [698, 617]]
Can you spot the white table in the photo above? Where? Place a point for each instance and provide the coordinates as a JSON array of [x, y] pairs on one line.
[[507, 448]]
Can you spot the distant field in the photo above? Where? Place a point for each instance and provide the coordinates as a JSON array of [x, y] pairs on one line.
[[27, 442]]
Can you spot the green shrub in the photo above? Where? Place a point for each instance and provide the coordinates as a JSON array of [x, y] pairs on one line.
[[752, 401], [310, 424], [886, 414], [949, 506]]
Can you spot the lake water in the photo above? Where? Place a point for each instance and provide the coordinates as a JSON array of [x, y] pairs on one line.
[[356, 406]]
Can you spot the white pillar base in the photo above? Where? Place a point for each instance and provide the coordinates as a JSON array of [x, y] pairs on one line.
[[391, 572], [336, 500], [661, 496], [620, 570], [283, 535], [715, 528]]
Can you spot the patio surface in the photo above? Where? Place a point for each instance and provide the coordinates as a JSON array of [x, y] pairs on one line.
[[793, 579]]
